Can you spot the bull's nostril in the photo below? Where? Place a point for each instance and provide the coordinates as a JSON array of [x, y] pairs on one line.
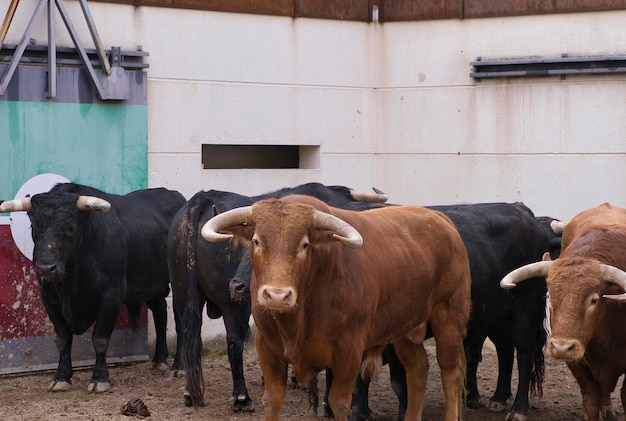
[[563, 349], [49, 268], [279, 297]]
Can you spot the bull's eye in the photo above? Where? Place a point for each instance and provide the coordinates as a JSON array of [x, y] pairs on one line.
[[255, 242], [593, 300]]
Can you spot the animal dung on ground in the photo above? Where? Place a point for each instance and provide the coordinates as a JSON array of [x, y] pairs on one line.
[[135, 407]]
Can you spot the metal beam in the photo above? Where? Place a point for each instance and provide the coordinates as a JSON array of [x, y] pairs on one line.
[[113, 84]]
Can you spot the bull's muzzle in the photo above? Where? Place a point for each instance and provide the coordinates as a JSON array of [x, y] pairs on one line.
[[47, 271], [277, 298], [566, 349], [239, 290]]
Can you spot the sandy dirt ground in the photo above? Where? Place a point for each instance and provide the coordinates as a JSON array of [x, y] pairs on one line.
[[24, 397]]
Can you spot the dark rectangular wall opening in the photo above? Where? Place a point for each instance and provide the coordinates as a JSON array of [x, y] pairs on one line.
[[259, 156]]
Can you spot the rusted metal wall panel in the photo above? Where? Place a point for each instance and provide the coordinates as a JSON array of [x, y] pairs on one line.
[[485, 8], [357, 10], [389, 10], [261, 7], [405, 10]]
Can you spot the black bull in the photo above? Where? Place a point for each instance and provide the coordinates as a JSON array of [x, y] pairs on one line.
[[93, 253], [200, 274], [498, 237]]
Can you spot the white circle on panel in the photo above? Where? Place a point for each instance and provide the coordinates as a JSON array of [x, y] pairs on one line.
[[20, 222]]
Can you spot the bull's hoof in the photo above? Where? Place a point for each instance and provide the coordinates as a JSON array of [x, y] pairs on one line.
[[479, 403], [494, 406], [513, 416], [188, 401], [328, 413], [59, 386], [177, 373], [607, 413], [243, 403], [160, 367], [98, 387], [475, 404]]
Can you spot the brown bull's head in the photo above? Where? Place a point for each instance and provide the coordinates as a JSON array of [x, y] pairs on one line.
[[576, 287], [282, 235]]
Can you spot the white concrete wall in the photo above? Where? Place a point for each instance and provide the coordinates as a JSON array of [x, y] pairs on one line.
[[558, 145], [390, 105]]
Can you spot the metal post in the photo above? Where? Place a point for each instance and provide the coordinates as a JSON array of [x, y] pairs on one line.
[[79, 47], [19, 51], [104, 62], [52, 53], [7, 21]]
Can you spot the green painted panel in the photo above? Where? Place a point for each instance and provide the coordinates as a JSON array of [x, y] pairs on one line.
[[102, 145]]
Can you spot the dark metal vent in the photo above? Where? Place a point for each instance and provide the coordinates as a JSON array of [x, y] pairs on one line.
[[563, 65]]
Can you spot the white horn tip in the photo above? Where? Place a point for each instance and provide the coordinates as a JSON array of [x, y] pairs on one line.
[[210, 235], [505, 284], [616, 297]]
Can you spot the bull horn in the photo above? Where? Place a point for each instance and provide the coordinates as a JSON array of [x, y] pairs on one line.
[[16, 205], [238, 216], [377, 197], [615, 276], [346, 234], [558, 227], [531, 270], [92, 203]]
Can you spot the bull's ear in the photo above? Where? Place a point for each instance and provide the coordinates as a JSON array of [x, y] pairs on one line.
[[546, 257], [241, 232]]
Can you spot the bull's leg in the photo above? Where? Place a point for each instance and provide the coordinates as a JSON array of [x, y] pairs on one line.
[[473, 353], [606, 407], [236, 333], [274, 370], [359, 410], [449, 328], [529, 337], [397, 374], [506, 356], [100, 338], [158, 307], [415, 361], [345, 372], [623, 394], [328, 413], [62, 380], [590, 389], [178, 368]]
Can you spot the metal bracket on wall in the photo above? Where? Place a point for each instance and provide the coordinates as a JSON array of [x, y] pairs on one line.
[[111, 84], [563, 65]]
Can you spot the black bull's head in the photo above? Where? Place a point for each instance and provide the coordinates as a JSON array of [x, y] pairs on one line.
[[57, 228]]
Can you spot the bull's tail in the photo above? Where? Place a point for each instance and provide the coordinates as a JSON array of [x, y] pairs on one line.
[[192, 316], [538, 371]]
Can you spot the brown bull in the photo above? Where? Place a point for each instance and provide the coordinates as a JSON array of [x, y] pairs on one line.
[[329, 285], [585, 287]]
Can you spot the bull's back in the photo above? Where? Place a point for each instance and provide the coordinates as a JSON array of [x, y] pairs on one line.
[[602, 215], [145, 216], [414, 258]]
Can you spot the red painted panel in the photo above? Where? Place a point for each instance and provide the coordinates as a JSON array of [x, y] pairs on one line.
[[22, 313]]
